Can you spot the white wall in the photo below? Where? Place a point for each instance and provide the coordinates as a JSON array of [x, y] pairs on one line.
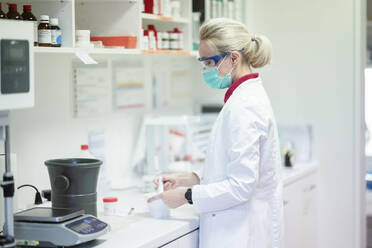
[[49, 130], [312, 79]]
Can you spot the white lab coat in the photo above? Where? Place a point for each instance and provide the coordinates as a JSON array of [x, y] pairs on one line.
[[240, 196]]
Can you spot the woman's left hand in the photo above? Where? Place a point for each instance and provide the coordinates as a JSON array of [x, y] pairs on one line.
[[172, 198]]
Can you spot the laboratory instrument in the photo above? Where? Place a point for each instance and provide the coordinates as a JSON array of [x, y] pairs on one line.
[[49, 227], [16, 91], [74, 183]]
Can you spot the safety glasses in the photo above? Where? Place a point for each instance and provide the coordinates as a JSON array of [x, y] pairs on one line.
[[211, 62]]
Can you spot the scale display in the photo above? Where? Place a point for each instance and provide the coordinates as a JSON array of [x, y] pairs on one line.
[[87, 225]]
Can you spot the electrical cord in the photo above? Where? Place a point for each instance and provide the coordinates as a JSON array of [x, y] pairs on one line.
[[38, 199]]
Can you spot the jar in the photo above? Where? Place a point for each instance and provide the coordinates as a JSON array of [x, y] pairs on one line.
[[83, 38], [110, 205]]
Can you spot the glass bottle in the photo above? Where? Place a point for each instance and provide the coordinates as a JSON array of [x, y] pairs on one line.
[[13, 12], [44, 32], [56, 33], [2, 14], [28, 16]]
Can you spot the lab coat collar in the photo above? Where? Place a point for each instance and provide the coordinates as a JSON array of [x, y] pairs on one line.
[[238, 82]]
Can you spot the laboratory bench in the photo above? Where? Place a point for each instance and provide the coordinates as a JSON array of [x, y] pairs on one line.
[[134, 228]]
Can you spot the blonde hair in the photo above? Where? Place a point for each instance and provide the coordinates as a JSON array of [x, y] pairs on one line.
[[227, 35]]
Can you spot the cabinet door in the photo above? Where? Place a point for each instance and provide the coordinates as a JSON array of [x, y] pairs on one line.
[[292, 201], [191, 240], [309, 211], [173, 244]]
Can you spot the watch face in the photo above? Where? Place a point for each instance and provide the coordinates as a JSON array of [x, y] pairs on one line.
[[188, 196]]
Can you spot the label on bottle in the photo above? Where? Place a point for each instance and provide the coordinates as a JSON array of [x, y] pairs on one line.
[[35, 32], [45, 36], [56, 37]]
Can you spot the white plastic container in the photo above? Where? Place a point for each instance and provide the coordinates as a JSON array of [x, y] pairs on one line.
[[110, 206], [173, 41], [176, 9], [83, 39], [165, 42], [160, 40], [152, 40]]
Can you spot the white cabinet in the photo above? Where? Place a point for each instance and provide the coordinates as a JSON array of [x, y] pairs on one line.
[[190, 240], [300, 213]]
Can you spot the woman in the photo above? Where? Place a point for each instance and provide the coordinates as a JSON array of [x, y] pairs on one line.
[[239, 193]]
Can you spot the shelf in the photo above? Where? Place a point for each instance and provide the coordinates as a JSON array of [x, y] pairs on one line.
[[109, 51], [105, 1], [68, 50], [172, 52], [159, 18]]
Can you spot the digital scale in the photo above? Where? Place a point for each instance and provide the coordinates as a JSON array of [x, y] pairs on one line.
[[50, 227]]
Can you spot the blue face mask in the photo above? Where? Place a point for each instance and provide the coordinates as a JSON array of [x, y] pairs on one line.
[[212, 78]]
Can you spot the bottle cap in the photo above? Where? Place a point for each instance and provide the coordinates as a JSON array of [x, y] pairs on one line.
[[84, 147], [27, 7], [151, 27], [44, 18], [110, 199], [0, 5], [54, 21], [13, 6], [176, 30]]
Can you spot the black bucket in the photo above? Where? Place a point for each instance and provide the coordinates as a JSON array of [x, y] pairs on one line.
[[74, 183]]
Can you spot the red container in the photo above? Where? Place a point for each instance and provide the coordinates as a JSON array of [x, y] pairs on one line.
[[129, 42], [149, 6]]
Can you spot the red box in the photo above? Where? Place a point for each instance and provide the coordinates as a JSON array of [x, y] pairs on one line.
[[129, 42]]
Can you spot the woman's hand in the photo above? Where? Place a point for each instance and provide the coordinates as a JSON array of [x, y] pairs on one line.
[[172, 198], [170, 181]]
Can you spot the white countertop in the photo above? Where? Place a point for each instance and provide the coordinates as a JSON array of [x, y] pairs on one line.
[[298, 171], [139, 230]]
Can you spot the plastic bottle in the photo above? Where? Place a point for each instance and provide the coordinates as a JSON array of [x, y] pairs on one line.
[[56, 33], [2, 14], [97, 149], [13, 12], [179, 38], [160, 40], [84, 152], [44, 32], [28, 16], [145, 40]]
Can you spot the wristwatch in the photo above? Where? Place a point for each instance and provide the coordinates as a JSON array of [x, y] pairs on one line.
[[188, 196]]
